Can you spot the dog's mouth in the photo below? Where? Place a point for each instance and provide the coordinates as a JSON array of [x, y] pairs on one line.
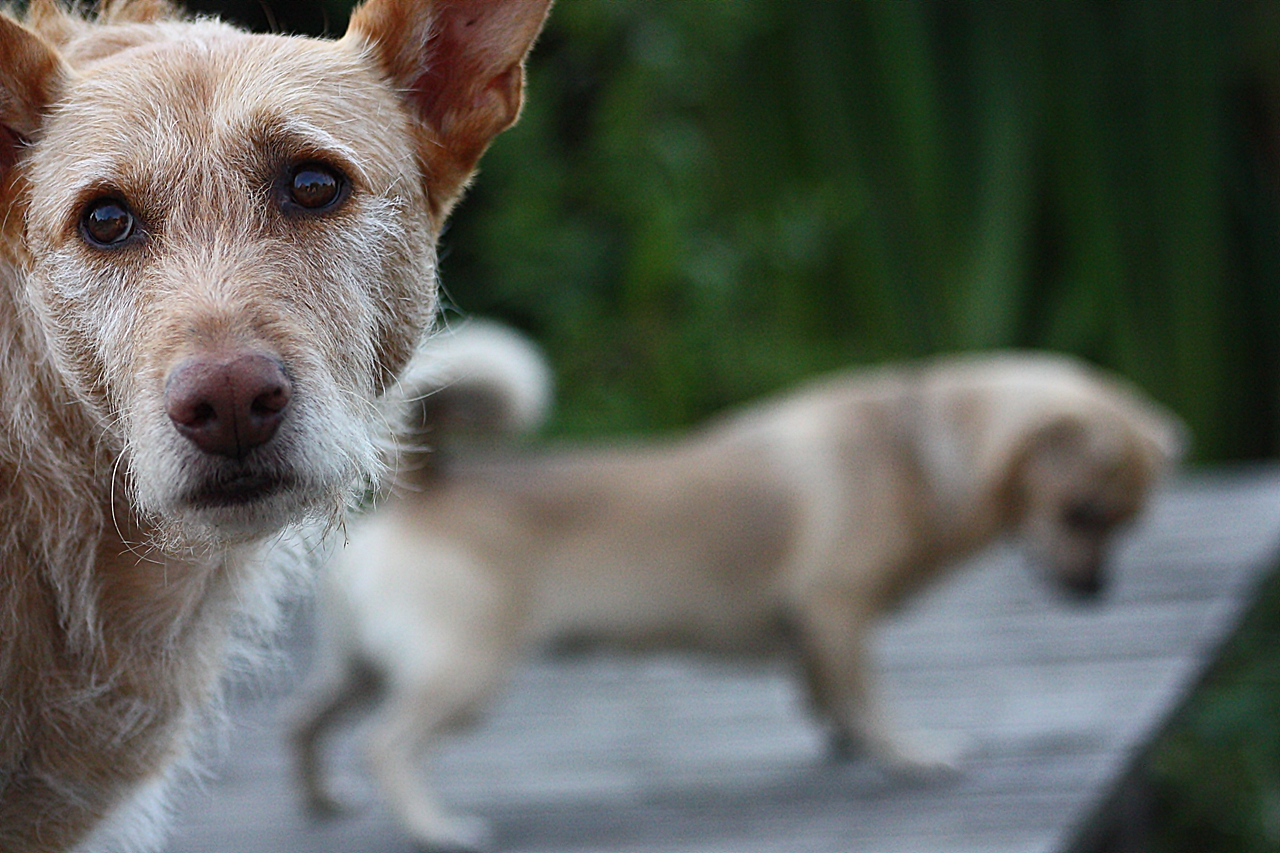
[[239, 488]]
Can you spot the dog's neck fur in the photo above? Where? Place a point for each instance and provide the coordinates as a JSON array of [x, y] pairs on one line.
[[109, 643], [97, 650]]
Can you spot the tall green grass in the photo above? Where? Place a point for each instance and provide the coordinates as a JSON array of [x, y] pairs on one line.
[[708, 200]]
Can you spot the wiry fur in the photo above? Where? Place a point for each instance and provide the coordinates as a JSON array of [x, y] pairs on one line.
[[125, 571], [814, 512]]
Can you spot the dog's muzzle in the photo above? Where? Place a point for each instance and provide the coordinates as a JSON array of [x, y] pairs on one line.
[[228, 406], [1087, 585]]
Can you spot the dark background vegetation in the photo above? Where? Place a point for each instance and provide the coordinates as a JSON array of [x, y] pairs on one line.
[[709, 199]]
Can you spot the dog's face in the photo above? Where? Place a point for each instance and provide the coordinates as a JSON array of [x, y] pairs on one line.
[[221, 236], [229, 239], [1081, 479]]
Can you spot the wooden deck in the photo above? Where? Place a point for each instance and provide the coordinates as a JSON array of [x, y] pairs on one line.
[[681, 753]]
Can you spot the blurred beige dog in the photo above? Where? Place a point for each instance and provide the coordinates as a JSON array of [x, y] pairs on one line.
[[818, 510], [217, 254]]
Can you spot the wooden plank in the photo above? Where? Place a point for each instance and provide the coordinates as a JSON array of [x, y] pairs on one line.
[[678, 752]]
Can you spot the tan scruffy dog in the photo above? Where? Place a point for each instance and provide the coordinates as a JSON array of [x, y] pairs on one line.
[[818, 510], [218, 254]]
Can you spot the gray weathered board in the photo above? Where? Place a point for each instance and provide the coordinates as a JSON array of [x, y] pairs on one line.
[[682, 753]]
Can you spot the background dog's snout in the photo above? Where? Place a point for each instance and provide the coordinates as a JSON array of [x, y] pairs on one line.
[[1087, 585], [228, 406]]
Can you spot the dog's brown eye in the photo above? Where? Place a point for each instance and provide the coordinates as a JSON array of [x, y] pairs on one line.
[[107, 222], [314, 187]]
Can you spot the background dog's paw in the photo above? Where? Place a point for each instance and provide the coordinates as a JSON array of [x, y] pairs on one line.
[[323, 805], [332, 797], [459, 834], [923, 756], [918, 756]]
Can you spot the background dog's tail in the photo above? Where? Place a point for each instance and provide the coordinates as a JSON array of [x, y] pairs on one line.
[[474, 380]]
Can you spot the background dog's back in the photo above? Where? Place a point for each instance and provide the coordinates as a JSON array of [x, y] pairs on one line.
[[698, 538]]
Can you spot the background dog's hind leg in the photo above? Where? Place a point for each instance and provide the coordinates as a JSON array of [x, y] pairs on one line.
[[339, 689]]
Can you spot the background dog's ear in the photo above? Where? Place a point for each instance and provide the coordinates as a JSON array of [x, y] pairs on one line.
[[460, 66], [31, 74], [1011, 449], [1165, 439], [1060, 436]]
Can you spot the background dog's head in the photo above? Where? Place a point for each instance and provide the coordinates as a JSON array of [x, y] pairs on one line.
[[226, 241], [1082, 470]]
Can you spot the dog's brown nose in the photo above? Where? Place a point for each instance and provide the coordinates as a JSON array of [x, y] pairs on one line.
[[228, 406]]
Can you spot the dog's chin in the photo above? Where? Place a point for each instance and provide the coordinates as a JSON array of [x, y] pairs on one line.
[[234, 517], [241, 519], [239, 505], [194, 499], [247, 489]]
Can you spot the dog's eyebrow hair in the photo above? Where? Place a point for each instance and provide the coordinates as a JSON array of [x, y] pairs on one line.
[[292, 132]]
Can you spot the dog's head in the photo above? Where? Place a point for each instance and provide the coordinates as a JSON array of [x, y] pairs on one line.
[[1080, 475], [227, 241]]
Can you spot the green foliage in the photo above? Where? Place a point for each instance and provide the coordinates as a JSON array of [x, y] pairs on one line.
[[1217, 771], [708, 200]]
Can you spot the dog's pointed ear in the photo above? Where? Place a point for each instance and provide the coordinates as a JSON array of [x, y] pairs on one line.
[[459, 64], [31, 75]]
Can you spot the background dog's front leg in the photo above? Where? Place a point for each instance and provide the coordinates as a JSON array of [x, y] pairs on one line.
[[834, 633], [404, 730]]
